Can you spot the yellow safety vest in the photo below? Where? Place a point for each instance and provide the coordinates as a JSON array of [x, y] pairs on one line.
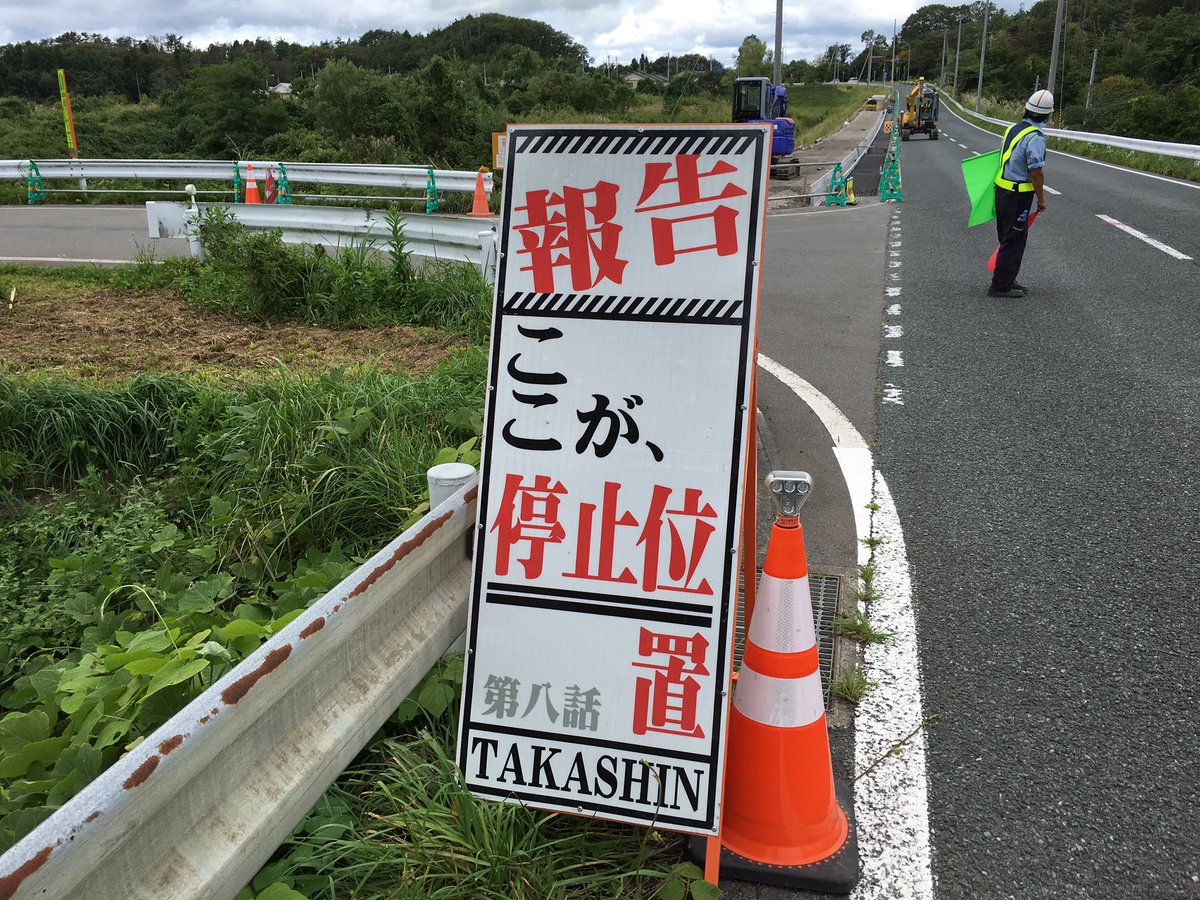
[[1023, 187]]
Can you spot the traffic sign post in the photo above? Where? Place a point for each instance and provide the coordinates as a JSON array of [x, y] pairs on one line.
[[618, 415]]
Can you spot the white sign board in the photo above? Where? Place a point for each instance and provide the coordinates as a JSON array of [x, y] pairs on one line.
[[609, 506]]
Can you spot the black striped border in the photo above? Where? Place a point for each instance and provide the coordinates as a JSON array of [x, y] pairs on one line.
[[666, 142], [677, 310]]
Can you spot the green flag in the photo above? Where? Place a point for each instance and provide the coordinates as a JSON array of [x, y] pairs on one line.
[[979, 175]]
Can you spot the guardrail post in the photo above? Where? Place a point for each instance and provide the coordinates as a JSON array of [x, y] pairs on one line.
[[191, 223], [445, 480]]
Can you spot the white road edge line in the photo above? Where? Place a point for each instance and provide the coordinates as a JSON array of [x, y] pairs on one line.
[[820, 211], [62, 259], [1157, 245], [1094, 162], [891, 803]]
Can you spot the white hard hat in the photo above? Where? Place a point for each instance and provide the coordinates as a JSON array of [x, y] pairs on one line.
[[1042, 103]]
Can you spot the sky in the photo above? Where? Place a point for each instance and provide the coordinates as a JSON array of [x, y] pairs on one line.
[[617, 29]]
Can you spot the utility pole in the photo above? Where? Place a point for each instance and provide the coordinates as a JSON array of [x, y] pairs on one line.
[[957, 48], [778, 42], [1058, 17], [987, 7], [1092, 79], [893, 51], [942, 70]]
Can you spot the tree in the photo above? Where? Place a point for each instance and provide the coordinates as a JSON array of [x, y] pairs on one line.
[[226, 111], [752, 58], [347, 100]]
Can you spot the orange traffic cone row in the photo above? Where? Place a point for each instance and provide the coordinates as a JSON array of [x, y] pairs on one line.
[[783, 821], [251, 186], [481, 198]]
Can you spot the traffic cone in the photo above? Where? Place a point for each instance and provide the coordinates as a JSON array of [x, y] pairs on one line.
[[270, 189], [783, 821], [481, 201], [251, 186]]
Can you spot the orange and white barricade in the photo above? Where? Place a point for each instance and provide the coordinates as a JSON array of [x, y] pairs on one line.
[[783, 821]]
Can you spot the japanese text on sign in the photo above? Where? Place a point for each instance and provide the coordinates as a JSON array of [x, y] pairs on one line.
[[609, 499]]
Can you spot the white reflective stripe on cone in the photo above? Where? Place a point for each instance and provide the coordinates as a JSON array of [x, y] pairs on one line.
[[782, 702], [783, 619]]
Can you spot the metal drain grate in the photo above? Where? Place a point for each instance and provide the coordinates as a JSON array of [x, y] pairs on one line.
[[824, 591]]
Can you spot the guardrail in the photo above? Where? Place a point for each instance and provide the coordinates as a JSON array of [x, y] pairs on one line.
[[460, 238], [200, 805], [1162, 148], [409, 177], [852, 159]]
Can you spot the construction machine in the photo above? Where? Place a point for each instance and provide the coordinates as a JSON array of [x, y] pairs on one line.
[[757, 100], [922, 113]]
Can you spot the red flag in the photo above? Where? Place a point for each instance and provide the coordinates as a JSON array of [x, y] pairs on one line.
[[992, 261]]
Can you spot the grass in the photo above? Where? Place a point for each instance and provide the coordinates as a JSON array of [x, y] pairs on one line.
[[153, 534], [858, 627], [399, 824], [852, 686], [1134, 159], [820, 109]]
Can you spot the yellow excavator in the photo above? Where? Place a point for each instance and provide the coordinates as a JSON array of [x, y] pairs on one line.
[[922, 113]]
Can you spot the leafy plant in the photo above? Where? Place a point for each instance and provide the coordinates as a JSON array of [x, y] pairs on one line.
[[192, 524], [859, 628], [398, 823], [852, 686]]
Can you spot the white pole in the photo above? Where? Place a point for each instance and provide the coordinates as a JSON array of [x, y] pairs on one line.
[[987, 6], [893, 51], [1092, 79], [957, 48], [1058, 18], [942, 70], [778, 42]]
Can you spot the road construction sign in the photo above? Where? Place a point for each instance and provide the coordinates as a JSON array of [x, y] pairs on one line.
[[499, 150], [605, 565], [887, 126]]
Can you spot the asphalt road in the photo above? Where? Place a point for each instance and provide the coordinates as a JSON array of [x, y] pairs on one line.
[[73, 235], [1044, 467], [1041, 454]]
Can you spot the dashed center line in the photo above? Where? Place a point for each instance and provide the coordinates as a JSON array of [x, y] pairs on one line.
[[894, 309], [895, 358], [1050, 190], [1157, 245]]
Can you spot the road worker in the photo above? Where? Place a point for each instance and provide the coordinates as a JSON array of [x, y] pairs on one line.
[[1019, 182]]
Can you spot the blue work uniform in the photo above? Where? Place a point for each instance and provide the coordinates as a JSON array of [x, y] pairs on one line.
[[1022, 150]]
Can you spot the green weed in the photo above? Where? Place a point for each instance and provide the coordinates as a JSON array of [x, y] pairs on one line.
[[858, 627], [399, 824], [852, 686]]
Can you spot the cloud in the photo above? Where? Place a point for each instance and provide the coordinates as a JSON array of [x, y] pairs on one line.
[[622, 30]]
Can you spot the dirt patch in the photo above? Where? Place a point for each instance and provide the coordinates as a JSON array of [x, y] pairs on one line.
[[59, 328]]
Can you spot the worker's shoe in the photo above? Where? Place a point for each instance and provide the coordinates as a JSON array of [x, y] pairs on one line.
[[1012, 293], [1020, 287]]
